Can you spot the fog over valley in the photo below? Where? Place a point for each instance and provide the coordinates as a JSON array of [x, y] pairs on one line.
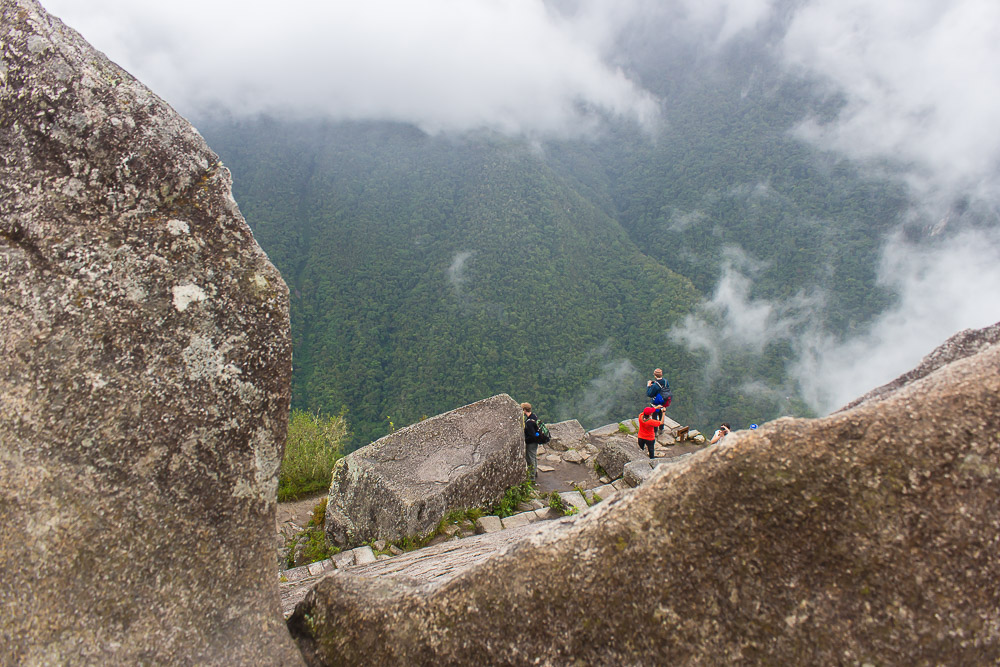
[[804, 197]]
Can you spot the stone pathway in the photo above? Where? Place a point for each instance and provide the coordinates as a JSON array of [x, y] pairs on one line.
[[453, 553]]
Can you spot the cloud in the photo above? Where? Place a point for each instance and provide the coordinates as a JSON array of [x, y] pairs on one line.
[[950, 285], [514, 66], [602, 395], [456, 271], [731, 321], [943, 289], [921, 90], [920, 82]]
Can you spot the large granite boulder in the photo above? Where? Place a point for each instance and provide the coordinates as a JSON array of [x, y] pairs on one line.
[[565, 435], [615, 451], [144, 375], [870, 536], [402, 485]]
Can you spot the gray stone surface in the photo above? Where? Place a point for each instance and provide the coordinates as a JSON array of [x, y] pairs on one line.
[[403, 484], [606, 492], [518, 520], [343, 559], [603, 431], [573, 456], [145, 362], [869, 536], [565, 435], [364, 555], [669, 424], [637, 472], [574, 499], [615, 451], [488, 524]]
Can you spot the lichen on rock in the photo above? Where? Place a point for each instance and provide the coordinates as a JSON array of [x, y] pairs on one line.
[[144, 381]]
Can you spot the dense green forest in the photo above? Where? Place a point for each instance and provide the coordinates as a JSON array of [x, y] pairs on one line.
[[428, 272]]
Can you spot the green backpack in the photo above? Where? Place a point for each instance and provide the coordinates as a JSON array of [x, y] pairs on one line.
[[543, 432]]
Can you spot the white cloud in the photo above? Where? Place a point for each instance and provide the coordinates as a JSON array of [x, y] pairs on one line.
[[618, 378], [921, 83], [919, 79], [732, 321], [942, 290], [456, 271], [513, 66]]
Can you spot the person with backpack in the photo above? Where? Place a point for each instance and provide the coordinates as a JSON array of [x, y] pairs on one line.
[[658, 391], [535, 433], [647, 430]]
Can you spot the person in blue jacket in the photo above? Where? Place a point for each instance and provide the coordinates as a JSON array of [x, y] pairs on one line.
[[658, 391]]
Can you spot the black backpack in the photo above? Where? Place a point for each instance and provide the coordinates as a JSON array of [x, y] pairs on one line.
[[541, 432], [659, 394]]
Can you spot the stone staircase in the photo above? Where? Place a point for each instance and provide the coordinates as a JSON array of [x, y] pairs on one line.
[[459, 548]]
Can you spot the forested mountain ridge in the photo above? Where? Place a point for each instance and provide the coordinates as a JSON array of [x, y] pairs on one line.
[[427, 274], [431, 271]]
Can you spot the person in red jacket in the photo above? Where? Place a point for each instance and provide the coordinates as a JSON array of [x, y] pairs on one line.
[[647, 430]]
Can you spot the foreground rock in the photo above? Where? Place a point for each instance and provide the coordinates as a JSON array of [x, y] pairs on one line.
[[963, 344], [617, 451], [866, 537], [404, 484], [144, 375]]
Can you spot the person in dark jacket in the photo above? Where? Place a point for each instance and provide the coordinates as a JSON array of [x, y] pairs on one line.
[[658, 391], [531, 440]]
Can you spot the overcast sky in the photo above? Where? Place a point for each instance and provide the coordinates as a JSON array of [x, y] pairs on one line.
[[921, 81]]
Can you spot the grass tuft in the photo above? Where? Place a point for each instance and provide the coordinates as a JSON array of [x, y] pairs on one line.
[[315, 442]]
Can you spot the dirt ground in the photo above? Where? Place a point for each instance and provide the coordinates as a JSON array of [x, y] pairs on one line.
[[298, 511]]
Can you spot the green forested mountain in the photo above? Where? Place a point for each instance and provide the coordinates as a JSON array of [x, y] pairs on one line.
[[428, 272]]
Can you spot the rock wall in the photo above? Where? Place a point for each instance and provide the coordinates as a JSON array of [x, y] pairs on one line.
[[867, 537], [144, 375]]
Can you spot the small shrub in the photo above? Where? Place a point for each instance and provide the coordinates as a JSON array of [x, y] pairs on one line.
[[556, 503], [622, 428], [512, 497], [313, 445], [319, 513], [316, 547]]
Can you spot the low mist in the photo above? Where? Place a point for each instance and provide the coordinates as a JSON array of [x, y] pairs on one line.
[[913, 83]]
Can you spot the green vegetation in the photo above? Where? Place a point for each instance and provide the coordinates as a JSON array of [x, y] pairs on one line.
[[314, 545], [313, 445], [513, 497], [427, 272]]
